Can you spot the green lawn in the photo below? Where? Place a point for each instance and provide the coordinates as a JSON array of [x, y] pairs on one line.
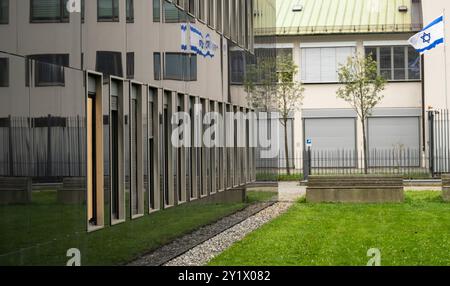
[[40, 233], [416, 232]]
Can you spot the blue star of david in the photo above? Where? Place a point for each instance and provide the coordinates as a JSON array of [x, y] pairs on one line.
[[426, 38]]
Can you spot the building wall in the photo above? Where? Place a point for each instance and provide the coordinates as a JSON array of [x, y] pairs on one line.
[[398, 96], [435, 78]]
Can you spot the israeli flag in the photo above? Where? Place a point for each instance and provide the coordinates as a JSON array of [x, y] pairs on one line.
[[184, 45], [430, 37], [197, 42]]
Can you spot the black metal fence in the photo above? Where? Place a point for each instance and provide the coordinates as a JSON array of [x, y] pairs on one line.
[[409, 163], [43, 148]]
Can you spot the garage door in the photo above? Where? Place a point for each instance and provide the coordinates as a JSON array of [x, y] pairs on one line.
[[394, 140], [332, 138]]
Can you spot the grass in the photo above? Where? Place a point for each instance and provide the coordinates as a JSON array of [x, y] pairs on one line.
[[278, 177], [260, 196], [41, 233], [416, 232]]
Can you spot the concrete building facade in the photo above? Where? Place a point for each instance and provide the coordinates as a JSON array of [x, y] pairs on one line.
[[87, 98], [321, 35]]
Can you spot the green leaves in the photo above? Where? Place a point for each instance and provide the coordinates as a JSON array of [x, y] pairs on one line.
[[361, 84]]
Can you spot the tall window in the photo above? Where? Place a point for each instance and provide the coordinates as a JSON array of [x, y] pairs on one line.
[[48, 11], [4, 11], [219, 15], [157, 66], [173, 14], [201, 10], [180, 66], [130, 11], [49, 69], [108, 10], [4, 72], [130, 65], [211, 13], [322, 64], [226, 18], [191, 6], [156, 10], [397, 63], [109, 63]]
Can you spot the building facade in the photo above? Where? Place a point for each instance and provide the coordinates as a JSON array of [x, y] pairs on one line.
[[88, 90], [320, 36]]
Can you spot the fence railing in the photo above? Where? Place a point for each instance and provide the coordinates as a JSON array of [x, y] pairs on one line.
[[409, 163]]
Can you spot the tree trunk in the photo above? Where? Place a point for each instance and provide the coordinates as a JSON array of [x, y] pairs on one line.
[[365, 147], [286, 147]]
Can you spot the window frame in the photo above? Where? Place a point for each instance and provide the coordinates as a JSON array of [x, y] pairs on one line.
[[119, 54], [186, 61], [114, 18], [303, 69], [7, 70], [130, 13], [130, 65], [36, 65], [6, 20], [60, 19], [158, 19], [157, 75], [406, 68]]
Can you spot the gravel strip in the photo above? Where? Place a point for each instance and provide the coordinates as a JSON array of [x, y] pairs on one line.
[[203, 253], [187, 242]]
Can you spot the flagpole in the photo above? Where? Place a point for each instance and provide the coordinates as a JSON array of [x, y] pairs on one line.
[[445, 59]]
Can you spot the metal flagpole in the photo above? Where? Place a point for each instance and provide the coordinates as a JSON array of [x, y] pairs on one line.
[[445, 60]]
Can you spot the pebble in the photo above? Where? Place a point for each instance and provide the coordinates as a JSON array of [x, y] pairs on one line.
[[205, 252]]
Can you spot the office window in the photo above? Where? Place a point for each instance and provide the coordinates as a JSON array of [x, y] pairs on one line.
[[191, 6], [4, 72], [108, 10], [49, 69], [156, 10], [130, 65], [219, 15], [109, 63], [4, 11], [322, 64], [193, 67], [239, 61], [226, 18], [398, 63], [173, 14], [157, 66], [187, 62], [48, 11], [210, 13], [130, 11], [201, 10]]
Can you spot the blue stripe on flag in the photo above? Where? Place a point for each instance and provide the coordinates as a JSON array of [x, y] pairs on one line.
[[435, 22], [432, 46]]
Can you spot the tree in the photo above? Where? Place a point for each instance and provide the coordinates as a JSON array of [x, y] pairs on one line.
[[361, 89], [270, 86]]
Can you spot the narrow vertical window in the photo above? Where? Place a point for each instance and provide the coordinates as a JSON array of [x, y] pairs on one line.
[[130, 11], [4, 11], [156, 10], [4, 72], [130, 65], [157, 66]]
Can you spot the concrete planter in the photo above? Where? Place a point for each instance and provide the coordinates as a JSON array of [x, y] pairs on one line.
[[357, 189]]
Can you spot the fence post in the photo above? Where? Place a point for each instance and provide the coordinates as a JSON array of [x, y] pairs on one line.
[[10, 142], [306, 163], [431, 155]]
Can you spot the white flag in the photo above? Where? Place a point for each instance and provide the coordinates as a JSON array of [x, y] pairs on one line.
[[430, 37]]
